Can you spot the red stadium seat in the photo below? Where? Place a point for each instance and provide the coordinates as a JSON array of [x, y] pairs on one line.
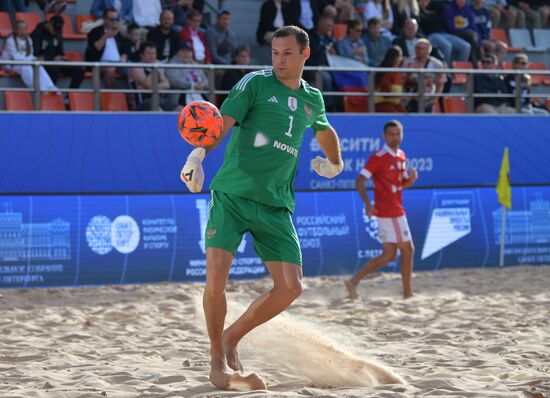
[[74, 56], [114, 102], [548, 104], [356, 104], [437, 107], [500, 34], [539, 79], [460, 78], [51, 102], [339, 31], [5, 24], [454, 105], [18, 101], [80, 19], [81, 101], [68, 32], [31, 18]]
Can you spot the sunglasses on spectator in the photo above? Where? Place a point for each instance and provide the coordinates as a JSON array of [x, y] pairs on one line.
[[487, 62], [117, 19]]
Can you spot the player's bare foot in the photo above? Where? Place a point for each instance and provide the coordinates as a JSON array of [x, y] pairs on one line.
[[222, 377], [232, 355], [407, 295], [352, 289]]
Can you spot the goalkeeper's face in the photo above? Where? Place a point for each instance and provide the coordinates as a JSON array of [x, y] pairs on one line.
[[287, 58]]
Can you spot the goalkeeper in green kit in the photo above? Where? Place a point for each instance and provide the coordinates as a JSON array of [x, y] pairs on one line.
[[253, 192]]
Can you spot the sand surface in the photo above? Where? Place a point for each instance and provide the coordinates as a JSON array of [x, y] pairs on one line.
[[466, 333]]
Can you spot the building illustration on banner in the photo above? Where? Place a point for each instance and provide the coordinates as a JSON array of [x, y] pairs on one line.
[[525, 226], [32, 241], [203, 207], [104, 235], [371, 226]]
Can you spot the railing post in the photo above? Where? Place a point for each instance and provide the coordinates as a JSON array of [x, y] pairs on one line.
[[212, 85], [517, 92], [470, 93], [36, 85], [96, 83], [155, 87], [420, 89], [372, 89]]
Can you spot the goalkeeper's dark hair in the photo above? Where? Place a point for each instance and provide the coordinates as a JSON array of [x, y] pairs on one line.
[[392, 123], [299, 34]]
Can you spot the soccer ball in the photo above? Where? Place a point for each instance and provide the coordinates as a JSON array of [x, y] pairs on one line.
[[200, 123]]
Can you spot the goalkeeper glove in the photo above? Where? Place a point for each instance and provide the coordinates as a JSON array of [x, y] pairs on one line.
[[325, 168], [192, 173]]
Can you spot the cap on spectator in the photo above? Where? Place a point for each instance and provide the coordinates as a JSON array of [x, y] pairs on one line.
[[57, 21], [223, 11], [185, 46]]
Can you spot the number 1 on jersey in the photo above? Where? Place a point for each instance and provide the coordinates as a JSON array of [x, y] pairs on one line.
[[289, 132]]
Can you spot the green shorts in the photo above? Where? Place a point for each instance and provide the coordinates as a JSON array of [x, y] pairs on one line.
[[230, 217]]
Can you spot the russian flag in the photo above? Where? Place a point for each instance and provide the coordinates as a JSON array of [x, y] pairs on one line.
[[349, 81]]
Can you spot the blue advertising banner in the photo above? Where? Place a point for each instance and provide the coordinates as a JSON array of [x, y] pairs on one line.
[[142, 153], [99, 239]]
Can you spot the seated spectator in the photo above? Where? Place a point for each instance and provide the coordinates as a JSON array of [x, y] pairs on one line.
[[390, 82], [408, 39], [403, 10], [48, 46], [431, 24], [304, 13], [221, 39], [530, 8], [9, 5], [181, 10], [521, 62], [124, 8], [18, 46], [433, 81], [352, 45], [192, 35], [142, 79], [186, 79], [483, 25], [381, 10], [491, 84], [377, 45], [241, 56], [343, 9], [133, 42], [460, 21], [274, 14], [106, 44], [165, 36], [147, 12], [500, 10]]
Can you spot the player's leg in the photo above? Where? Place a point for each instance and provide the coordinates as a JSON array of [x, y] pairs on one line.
[[406, 266], [389, 251]]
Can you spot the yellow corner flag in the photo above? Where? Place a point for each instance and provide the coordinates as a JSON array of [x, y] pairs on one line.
[[504, 189]]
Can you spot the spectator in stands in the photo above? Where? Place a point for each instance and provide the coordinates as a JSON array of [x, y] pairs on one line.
[[530, 8], [390, 82], [343, 9], [186, 79], [483, 25], [460, 21], [499, 10], [221, 39], [18, 46], [352, 45], [142, 79], [192, 35], [521, 62], [124, 8], [431, 24], [9, 5], [304, 13], [106, 44], [491, 84], [133, 42], [403, 10], [147, 12], [181, 9], [274, 14], [241, 56], [377, 45], [48, 46], [408, 38], [165, 36], [433, 81], [381, 10]]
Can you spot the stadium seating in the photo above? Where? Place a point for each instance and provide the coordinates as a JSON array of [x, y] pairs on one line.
[[542, 38], [5, 24], [81, 101], [454, 105], [355, 104], [68, 32], [539, 79], [500, 35], [81, 19], [74, 56], [18, 101], [51, 102], [339, 31], [437, 106], [114, 102], [522, 38], [460, 78], [31, 18], [548, 104]]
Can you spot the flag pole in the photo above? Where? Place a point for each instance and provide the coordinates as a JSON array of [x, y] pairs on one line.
[[502, 235]]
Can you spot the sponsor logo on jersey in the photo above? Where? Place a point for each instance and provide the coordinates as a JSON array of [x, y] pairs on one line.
[[273, 99], [285, 148], [307, 109], [292, 103]]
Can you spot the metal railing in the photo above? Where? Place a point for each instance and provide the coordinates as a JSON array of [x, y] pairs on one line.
[[212, 92]]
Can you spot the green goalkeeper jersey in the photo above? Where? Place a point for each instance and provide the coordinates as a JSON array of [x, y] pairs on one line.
[[262, 154]]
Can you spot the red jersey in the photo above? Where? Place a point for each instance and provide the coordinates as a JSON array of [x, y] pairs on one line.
[[388, 170]]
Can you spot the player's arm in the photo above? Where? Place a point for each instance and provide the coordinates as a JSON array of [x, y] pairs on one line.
[[228, 123], [361, 186], [330, 145], [409, 181]]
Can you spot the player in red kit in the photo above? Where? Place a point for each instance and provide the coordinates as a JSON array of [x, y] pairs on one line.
[[390, 175]]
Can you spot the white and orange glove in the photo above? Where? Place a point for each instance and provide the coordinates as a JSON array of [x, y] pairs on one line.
[[192, 173], [325, 168]]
